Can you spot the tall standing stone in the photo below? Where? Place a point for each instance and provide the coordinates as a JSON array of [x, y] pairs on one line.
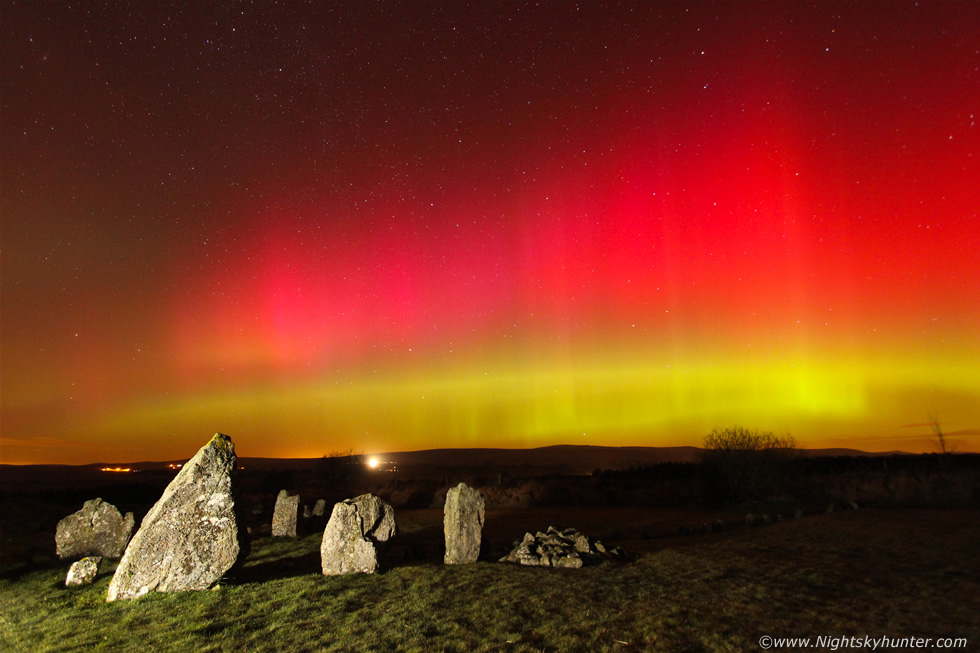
[[192, 536], [463, 524], [284, 517], [350, 539], [98, 529]]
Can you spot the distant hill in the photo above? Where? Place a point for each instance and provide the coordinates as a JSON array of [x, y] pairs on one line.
[[557, 459], [565, 458]]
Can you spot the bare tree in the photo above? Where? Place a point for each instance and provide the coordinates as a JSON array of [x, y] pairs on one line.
[[340, 469], [738, 463], [939, 441]]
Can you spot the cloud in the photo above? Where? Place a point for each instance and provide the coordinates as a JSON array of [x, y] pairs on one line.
[[963, 432]]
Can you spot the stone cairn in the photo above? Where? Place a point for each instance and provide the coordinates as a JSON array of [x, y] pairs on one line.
[[98, 529], [463, 524], [351, 538], [567, 548], [284, 516], [84, 571], [191, 537]]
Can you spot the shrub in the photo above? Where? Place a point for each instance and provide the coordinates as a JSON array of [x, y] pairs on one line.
[[739, 464], [339, 470]]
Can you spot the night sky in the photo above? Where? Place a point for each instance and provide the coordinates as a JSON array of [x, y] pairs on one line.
[[388, 226]]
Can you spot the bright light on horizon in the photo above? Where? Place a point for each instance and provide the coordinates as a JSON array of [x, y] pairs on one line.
[[373, 463]]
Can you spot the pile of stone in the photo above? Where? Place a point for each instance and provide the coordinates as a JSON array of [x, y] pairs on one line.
[[567, 548]]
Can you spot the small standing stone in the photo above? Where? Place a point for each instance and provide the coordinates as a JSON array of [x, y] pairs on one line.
[[350, 538], [463, 524], [320, 508], [83, 571], [284, 516], [98, 529]]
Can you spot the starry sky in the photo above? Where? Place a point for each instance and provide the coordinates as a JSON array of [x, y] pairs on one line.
[[388, 226]]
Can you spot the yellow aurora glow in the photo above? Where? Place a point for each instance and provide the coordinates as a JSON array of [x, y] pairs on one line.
[[628, 403]]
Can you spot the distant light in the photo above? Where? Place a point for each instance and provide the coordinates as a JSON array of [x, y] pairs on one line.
[[373, 463], [116, 469]]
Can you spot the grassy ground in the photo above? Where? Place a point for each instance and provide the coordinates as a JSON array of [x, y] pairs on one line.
[[869, 572]]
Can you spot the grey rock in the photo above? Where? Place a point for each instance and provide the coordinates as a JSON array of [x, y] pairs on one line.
[[344, 549], [570, 561], [567, 549], [350, 537], [320, 508], [284, 515], [98, 529], [463, 524], [798, 514], [377, 517], [192, 536], [84, 571]]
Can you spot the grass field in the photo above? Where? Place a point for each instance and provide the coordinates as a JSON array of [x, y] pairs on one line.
[[891, 572]]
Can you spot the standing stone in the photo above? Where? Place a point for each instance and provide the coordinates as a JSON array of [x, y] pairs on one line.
[[284, 517], [83, 571], [377, 517], [463, 524], [320, 507], [350, 538], [98, 529], [191, 537]]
